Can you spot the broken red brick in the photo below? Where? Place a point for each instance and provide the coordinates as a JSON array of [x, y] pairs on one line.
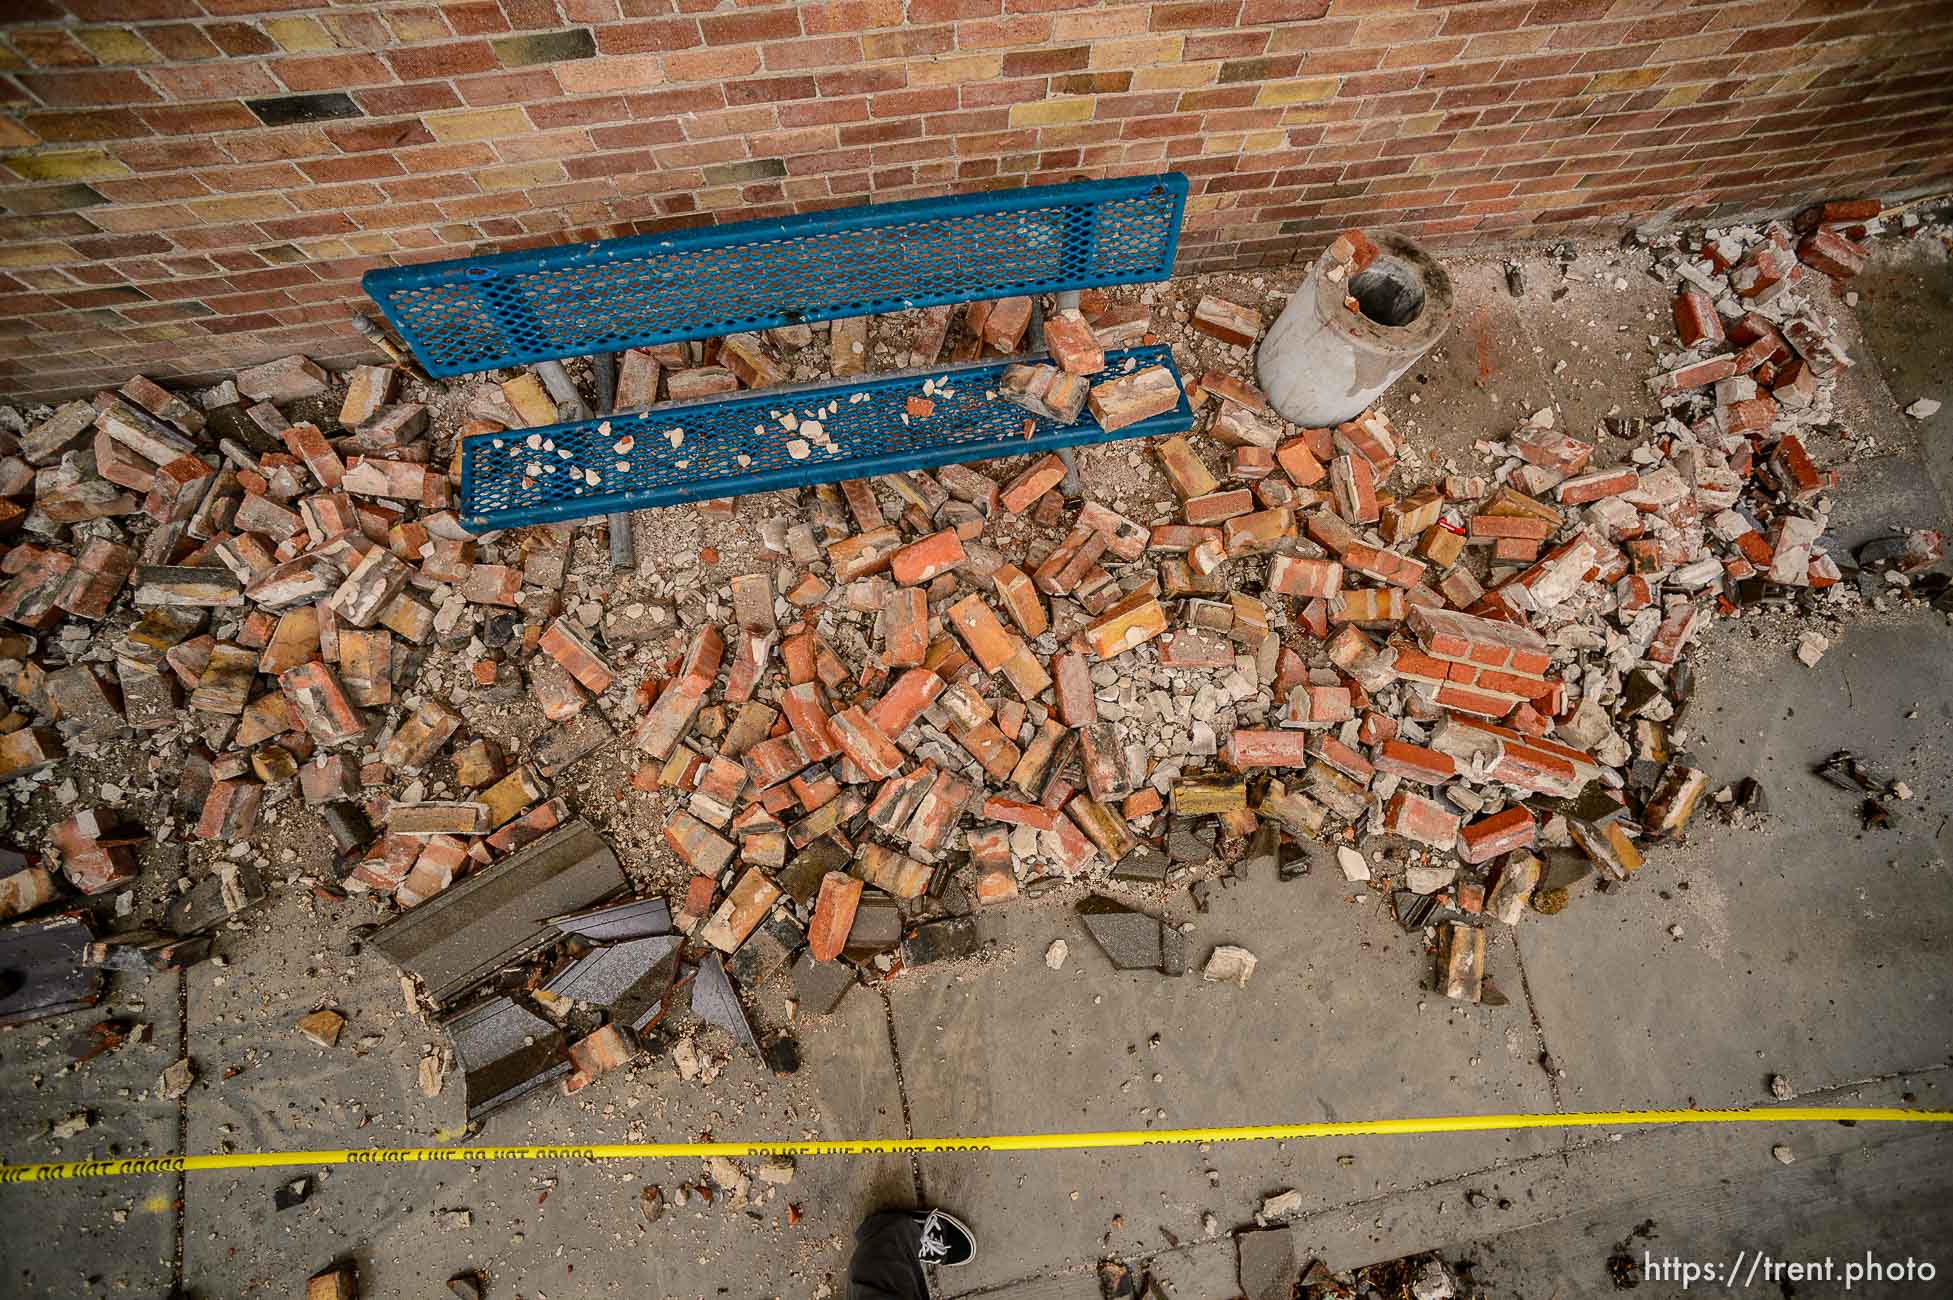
[[1131, 622], [1673, 634], [320, 704], [96, 578], [1122, 324], [1351, 251], [1370, 438], [1247, 749], [310, 446], [744, 908], [95, 854], [1752, 415], [1004, 325], [1592, 487], [1314, 704], [670, 718], [1237, 391], [556, 692], [1696, 374], [903, 625], [1353, 482], [1410, 516], [1415, 763], [1229, 322], [1798, 474], [806, 715], [1382, 566], [1421, 820], [420, 737], [990, 643], [1493, 527], [230, 810], [834, 909], [1218, 507], [1184, 470], [28, 750], [1016, 813], [1293, 575], [1696, 320], [368, 388], [285, 380], [1300, 463], [609, 1048], [1072, 344], [1044, 391], [1503, 832], [1072, 677], [1764, 273], [700, 382], [1832, 254], [905, 700], [177, 489], [864, 743], [1196, 648], [570, 648], [1032, 482], [1117, 403], [1368, 605], [926, 558], [995, 885], [891, 872], [1020, 598], [1441, 545]]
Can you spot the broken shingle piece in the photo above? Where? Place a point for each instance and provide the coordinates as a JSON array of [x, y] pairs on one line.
[[1131, 939], [494, 916]]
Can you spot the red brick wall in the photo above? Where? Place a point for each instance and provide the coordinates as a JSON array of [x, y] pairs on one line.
[[191, 185]]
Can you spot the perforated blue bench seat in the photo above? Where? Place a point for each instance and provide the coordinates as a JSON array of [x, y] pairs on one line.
[[731, 446], [507, 309]]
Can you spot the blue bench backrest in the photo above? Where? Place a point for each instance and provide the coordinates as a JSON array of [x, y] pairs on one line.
[[481, 313]]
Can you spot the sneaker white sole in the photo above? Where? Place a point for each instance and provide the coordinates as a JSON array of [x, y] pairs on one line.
[[961, 1227]]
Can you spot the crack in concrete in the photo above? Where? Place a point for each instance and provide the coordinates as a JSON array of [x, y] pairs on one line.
[[177, 1209], [1539, 1028], [902, 1091]]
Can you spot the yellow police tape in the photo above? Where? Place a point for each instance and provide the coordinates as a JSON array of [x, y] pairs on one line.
[[1003, 1142]]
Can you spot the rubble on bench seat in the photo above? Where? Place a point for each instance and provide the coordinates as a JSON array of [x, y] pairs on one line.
[[761, 436]]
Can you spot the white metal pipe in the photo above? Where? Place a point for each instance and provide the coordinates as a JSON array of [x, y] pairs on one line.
[[1341, 342]]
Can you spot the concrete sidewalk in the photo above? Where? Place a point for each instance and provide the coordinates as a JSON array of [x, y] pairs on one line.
[[1807, 948]]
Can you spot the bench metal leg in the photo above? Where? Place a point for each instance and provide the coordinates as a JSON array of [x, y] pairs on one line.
[[371, 331], [619, 526], [603, 372], [1070, 487], [562, 389]]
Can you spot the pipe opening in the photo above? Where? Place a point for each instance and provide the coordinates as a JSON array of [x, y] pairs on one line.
[[1388, 292]]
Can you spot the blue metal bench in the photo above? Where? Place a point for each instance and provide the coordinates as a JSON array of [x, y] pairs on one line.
[[508, 309]]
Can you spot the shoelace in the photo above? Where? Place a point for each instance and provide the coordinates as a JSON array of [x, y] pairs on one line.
[[932, 1245]]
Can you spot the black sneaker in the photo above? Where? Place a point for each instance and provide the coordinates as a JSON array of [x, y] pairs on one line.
[[946, 1239]]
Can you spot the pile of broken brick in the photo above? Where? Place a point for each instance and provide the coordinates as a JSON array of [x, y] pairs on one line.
[[971, 687], [282, 589], [1445, 683], [1759, 355]]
